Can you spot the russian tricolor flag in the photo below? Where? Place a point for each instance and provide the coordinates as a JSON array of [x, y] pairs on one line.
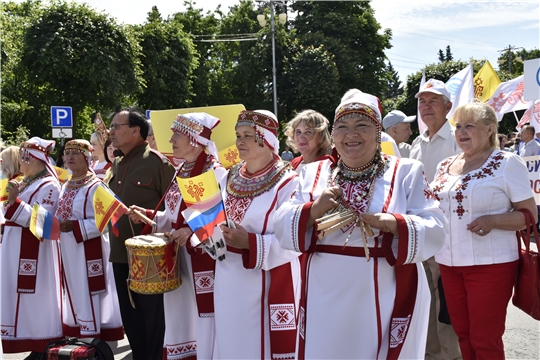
[[205, 208], [43, 224]]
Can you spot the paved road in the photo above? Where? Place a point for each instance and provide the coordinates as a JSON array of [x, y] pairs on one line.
[[521, 340]]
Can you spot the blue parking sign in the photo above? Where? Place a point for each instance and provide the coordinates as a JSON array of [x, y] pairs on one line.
[[61, 116]]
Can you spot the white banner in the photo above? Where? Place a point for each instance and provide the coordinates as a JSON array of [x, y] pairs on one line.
[[461, 88], [508, 97], [532, 79], [533, 165]]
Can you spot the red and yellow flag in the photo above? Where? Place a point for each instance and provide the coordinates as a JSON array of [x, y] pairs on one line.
[[107, 207], [3, 189], [485, 82], [205, 208]]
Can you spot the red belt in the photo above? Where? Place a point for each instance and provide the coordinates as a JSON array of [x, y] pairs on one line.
[[349, 251]]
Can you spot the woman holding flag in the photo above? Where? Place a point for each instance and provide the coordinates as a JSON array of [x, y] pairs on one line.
[[30, 266], [189, 310], [257, 286], [90, 305]]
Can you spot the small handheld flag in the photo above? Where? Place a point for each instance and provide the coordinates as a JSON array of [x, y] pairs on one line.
[[107, 207], [43, 224], [3, 189], [205, 208]]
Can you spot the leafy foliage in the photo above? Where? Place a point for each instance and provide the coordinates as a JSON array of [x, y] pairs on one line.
[[82, 57], [168, 60]]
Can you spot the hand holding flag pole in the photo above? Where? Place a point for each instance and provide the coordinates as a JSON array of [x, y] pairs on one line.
[[144, 218]]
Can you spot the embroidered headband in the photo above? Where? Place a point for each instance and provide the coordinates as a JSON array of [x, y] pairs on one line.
[[82, 146], [40, 149], [198, 128], [265, 124]]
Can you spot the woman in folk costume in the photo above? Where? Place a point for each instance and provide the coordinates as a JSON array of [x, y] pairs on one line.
[[90, 305], [189, 310], [30, 268], [257, 285], [365, 294], [98, 140]]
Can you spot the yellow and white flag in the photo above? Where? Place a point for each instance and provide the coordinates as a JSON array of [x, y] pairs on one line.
[[485, 82]]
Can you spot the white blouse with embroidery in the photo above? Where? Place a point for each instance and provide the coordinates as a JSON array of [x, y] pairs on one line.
[[503, 179]]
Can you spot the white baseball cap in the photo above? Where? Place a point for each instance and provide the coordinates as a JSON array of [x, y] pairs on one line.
[[436, 87], [395, 117]]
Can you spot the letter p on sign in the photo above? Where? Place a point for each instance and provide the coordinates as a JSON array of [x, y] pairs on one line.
[[61, 116]]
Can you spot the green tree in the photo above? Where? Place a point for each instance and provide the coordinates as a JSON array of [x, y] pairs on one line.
[[81, 58], [311, 81], [202, 30], [168, 60], [349, 31], [449, 56], [20, 99], [394, 87], [244, 66]]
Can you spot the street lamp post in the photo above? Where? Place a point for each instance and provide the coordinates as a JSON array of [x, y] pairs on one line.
[[262, 21]]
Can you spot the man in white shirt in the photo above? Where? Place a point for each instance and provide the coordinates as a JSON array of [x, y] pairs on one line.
[[398, 126], [529, 146], [436, 143]]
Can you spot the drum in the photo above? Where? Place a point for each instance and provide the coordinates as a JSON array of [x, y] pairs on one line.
[[153, 266]]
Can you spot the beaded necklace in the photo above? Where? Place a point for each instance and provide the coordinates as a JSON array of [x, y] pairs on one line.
[[77, 182], [242, 184], [367, 173], [27, 181]]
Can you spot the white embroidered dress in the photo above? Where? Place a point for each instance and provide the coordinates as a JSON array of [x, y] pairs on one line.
[[243, 279], [490, 189], [86, 315], [187, 335], [349, 302], [30, 320]]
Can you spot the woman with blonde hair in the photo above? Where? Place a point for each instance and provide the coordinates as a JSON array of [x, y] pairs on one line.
[[480, 191], [10, 163], [307, 133]]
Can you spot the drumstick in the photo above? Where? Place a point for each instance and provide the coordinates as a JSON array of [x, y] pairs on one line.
[[144, 218]]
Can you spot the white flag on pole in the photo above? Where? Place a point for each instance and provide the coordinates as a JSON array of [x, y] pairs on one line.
[[508, 97], [421, 125], [531, 116], [461, 88]]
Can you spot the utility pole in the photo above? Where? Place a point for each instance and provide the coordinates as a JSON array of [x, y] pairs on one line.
[[509, 49]]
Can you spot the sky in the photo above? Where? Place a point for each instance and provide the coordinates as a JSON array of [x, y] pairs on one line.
[[473, 29]]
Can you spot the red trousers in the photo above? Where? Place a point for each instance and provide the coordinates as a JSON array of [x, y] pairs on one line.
[[477, 298]]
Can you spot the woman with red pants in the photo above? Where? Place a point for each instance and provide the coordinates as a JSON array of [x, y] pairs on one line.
[[480, 190]]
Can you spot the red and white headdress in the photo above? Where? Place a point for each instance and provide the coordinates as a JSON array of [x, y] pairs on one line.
[[82, 146], [360, 103], [198, 127], [41, 150], [265, 124]]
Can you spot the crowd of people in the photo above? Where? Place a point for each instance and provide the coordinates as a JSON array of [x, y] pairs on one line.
[[344, 251]]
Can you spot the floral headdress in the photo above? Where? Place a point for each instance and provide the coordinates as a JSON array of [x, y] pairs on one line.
[[265, 124], [198, 127]]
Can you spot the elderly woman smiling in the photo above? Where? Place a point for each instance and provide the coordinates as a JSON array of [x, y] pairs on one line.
[[378, 306]]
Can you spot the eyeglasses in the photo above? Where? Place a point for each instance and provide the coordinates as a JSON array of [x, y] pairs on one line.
[[116, 126]]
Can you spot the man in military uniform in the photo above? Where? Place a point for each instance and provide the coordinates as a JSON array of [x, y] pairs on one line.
[[140, 177]]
